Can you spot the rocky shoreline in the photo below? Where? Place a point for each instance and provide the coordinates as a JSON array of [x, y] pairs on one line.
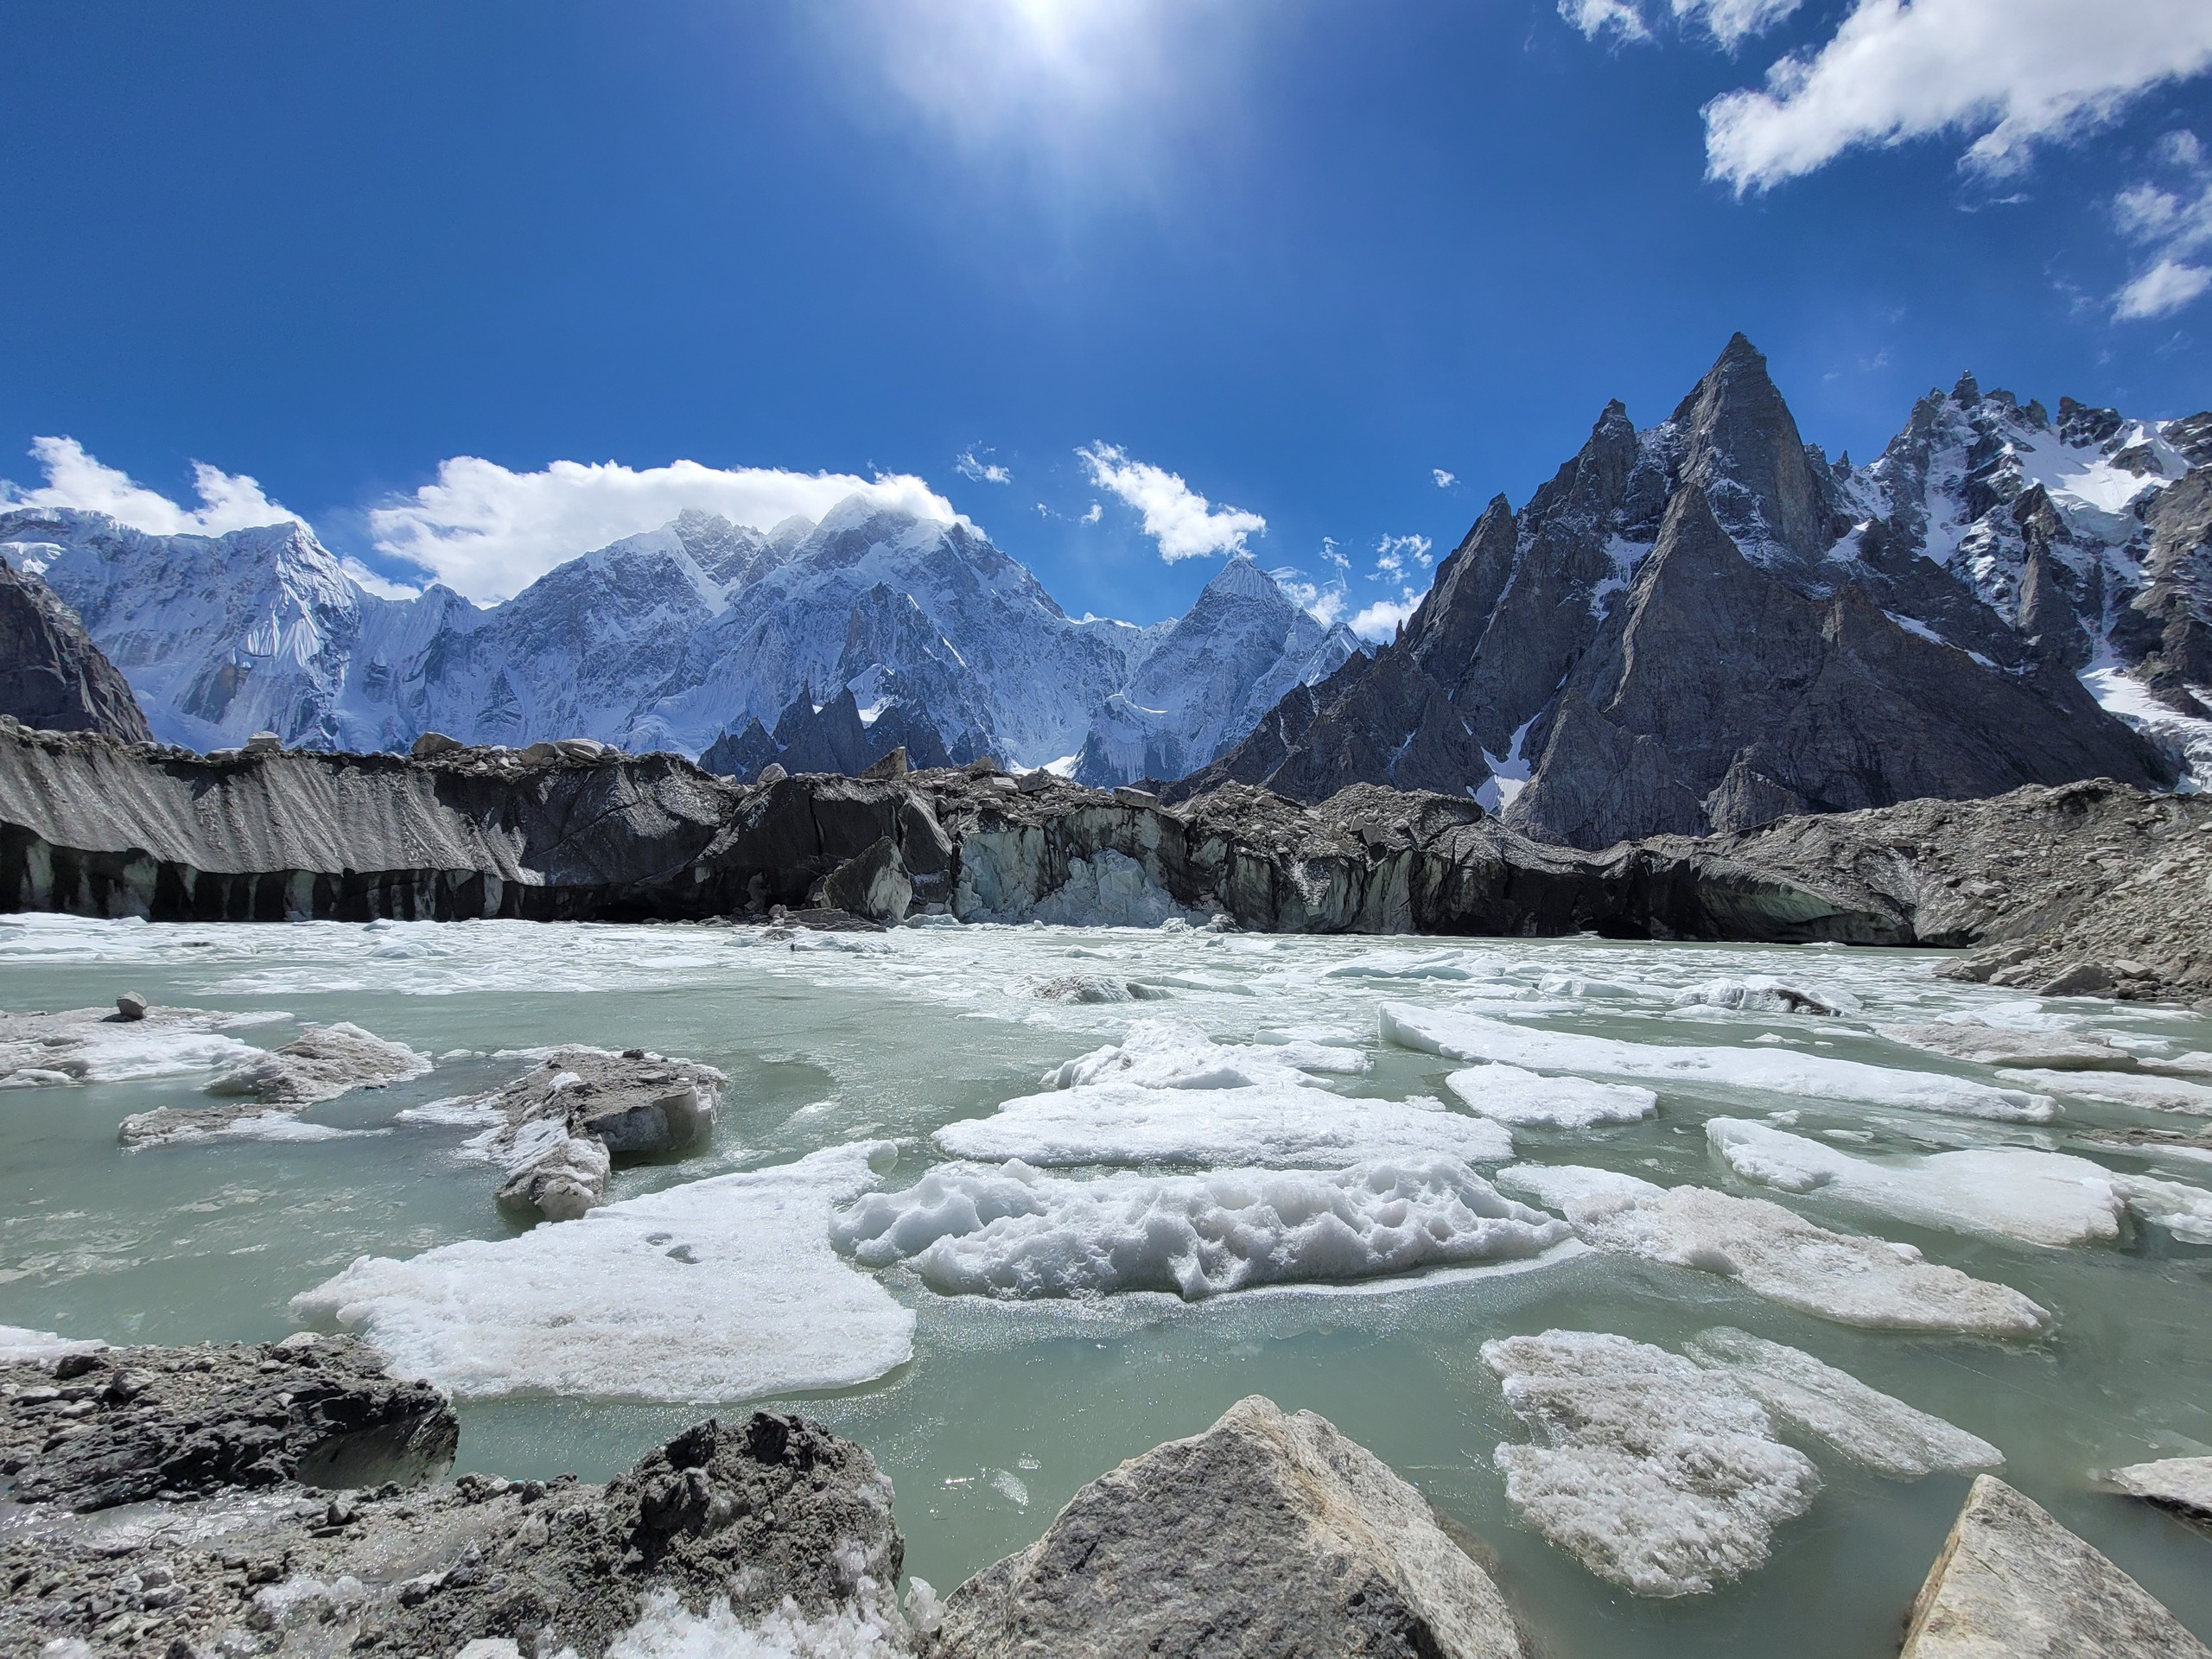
[[1269, 1534], [2091, 888]]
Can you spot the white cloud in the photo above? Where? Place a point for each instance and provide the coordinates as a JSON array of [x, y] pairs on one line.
[[1392, 553], [2010, 72], [984, 472], [2161, 291], [1380, 621], [1093, 515], [2174, 225], [369, 583], [227, 500], [489, 532], [1324, 601], [1444, 481], [1596, 18], [1729, 21], [1185, 524]]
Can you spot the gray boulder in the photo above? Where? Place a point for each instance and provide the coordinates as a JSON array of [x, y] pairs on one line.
[[1266, 1536], [874, 884], [2013, 1584], [124, 1425], [562, 1123], [2182, 1484]]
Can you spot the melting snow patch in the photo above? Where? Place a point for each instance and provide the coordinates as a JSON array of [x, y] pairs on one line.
[[716, 1290], [1013, 1232], [1877, 1429], [1774, 1253], [1655, 1474], [2037, 1197], [1524, 1099], [1784, 1072]]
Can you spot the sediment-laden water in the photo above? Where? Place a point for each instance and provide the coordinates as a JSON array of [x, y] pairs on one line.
[[1259, 1191]]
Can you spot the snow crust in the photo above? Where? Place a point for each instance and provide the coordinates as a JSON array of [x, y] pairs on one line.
[[1478, 1037], [1775, 1252], [1865, 1425], [1013, 1232], [721, 1290], [1523, 1098], [1656, 1473], [2037, 1197]]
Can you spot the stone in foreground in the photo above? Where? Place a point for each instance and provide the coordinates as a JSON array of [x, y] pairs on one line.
[[2013, 1584], [2183, 1485], [1266, 1536]]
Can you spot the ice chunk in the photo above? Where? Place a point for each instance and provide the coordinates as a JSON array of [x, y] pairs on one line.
[[2157, 1094], [1279, 1124], [1419, 964], [1865, 1424], [1657, 1474], [1783, 1071], [1175, 1054], [1584, 988], [1093, 987], [868, 1627], [1513, 1096], [2037, 1197], [2013, 1045], [99, 1046], [1013, 1232], [1775, 1252], [2185, 1211], [717, 1290], [1759, 995], [23, 1346], [321, 1064]]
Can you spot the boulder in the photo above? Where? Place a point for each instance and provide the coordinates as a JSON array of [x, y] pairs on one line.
[[130, 1424], [772, 772], [1266, 1534], [1032, 783], [2013, 1584], [131, 1006], [1129, 795], [264, 743], [562, 1123], [873, 884], [581, 748], [431, 745], [892, 765], [2182, 1484]]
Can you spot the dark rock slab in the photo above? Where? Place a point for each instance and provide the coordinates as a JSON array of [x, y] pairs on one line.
[[52, 675]]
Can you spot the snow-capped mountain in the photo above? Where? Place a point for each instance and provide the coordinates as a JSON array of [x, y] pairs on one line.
[[670, 640], [1240, 647], [1705, 624]]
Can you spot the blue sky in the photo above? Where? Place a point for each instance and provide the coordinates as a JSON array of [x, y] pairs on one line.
[[1300, 256]]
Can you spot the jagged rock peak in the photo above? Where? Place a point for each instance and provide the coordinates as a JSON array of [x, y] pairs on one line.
[[1741, 445]]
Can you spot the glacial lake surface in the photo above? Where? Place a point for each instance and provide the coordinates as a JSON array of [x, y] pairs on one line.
[[1002, 1405]]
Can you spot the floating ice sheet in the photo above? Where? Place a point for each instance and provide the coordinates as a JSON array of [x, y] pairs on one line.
[[1775, 1252], [1523, 1098], [1657, 1474], [1987, 1043], [97, 1045], [1759, 995], [2150, 1091], [2037, 1197], [717, 1290], [1874, 1428], [321, 1064], [1773, 1070], [1011, 1232]]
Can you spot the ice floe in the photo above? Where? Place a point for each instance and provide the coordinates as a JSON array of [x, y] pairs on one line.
[[1419, 964], [1175, 1054], [321, 1064], [1775, 1252], [1276, 1124], [21, 1347], [1865, 1425], [1010, 1231], [100, 1046], [1986, 1044], [2037, 1197], [1759, 995], [2149, 1090], [1476, 1037], [1656, 1473], [1523, 1098], [721, 1290]]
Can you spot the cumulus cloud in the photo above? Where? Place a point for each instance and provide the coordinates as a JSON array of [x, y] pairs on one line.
[[2175, 225], [1324, 602], [1394, 553], [1444, 481], [1382, 620], [2010, 72], [228, 501], [1729, 21], [489, 532], [1182, 522], [969, 465], [1093, 515]]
